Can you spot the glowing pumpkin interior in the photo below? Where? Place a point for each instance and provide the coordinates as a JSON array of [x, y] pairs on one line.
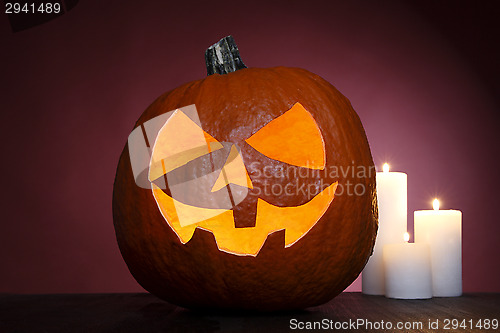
[[293, 138]]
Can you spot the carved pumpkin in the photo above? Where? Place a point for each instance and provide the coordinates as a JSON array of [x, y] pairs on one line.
[[243, 207]]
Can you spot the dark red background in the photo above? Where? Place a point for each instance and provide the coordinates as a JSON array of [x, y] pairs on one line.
[[423, 76]]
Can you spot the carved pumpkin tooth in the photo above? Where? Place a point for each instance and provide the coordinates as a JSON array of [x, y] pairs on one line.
[[245, 213]]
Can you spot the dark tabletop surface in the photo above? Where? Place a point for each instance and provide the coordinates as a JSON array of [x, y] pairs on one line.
[[146, 313]]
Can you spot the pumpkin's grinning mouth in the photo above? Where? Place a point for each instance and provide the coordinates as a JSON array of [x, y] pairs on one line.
[[296, 221]]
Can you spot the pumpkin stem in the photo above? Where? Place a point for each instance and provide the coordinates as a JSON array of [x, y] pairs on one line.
[[223, 57]]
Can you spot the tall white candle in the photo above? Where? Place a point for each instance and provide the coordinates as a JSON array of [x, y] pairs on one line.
[[442, 230], [392, 210], [407, 270]]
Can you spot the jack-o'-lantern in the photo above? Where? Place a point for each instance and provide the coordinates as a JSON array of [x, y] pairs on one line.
[[260, 190]]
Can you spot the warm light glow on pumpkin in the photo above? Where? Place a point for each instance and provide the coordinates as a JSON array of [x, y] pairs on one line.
[[385, 167], [293, 138], [435, 204]]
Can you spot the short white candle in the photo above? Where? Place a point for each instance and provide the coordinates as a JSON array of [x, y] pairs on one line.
[[407, 270], [392, 212], [442, 230]]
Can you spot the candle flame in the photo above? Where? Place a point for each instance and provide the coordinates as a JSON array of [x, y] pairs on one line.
[[406, 237], [435, 204], [385, 167]]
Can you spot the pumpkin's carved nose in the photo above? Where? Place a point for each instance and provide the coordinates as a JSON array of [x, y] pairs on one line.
[[245, 213], [234, 172]]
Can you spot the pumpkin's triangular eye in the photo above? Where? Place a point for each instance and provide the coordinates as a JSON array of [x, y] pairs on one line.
[[179, 141], [293, 138]]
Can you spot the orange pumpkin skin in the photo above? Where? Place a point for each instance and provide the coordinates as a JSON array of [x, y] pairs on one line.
[[312, 271]]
